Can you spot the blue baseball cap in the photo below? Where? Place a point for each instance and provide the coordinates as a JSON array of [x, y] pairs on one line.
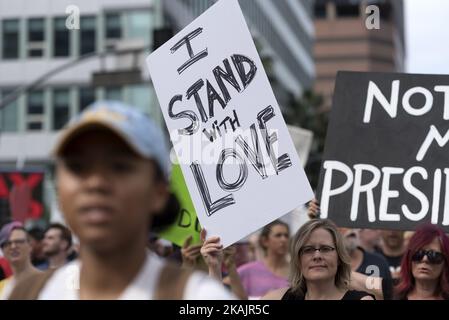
[[135, 128]]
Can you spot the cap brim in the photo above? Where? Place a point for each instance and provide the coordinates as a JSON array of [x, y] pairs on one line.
[[72, 132]]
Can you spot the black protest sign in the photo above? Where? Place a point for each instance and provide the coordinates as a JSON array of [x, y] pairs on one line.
[[386, 159]]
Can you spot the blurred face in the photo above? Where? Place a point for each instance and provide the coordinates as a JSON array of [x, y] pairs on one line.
[[350, 238], [107, 193], [407, 236], [319, 265], [36, 249], [17, 249], [244, 253], [370, 236], [53, 243], [426, 269], [277, 240], [393, 239]]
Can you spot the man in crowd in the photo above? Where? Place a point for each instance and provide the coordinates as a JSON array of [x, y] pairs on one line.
[[36, 240], [392, 248], [369, 239], [56, 246]]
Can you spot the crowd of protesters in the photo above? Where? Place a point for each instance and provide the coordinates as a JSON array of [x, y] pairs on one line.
[[112, 178]]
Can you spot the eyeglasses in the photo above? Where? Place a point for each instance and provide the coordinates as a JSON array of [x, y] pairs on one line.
[[310, 250], [434, 257], [17, 242]]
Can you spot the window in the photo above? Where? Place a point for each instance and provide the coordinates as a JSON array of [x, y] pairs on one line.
[[113, 26], [35, 110], [61, 108], [140, 97], [385, 11], [36, 102], [139, 26], [347, 10], [86, 96], [87, 35], [36, 37], [320, 11], [9, 115], [61, 41], [35, 125], [10, 39], [113, 93]]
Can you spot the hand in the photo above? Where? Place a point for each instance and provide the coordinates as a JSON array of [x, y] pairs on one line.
[[212, 252], [313, 209], [190, 253], [229, 257], [396, 274]]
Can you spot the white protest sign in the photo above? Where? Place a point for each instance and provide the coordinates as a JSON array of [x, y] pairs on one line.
[[238, 160], [302, 139]]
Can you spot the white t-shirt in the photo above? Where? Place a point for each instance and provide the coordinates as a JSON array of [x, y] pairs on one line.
[[64, 284]]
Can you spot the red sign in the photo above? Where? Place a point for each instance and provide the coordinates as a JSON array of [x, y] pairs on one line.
[[22, 193]]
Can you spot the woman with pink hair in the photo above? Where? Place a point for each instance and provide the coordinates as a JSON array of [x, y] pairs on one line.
[[425, 266]]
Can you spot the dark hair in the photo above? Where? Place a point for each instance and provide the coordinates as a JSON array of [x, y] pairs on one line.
[[36, 233], [66, 234], [2, 274], [424, 235], [168, 215], [267, 229]]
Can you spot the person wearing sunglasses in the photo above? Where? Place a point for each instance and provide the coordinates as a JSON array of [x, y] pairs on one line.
[[425, 266], [320, 266]]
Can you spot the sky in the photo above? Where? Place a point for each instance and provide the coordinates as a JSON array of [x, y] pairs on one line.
[[427, 36]]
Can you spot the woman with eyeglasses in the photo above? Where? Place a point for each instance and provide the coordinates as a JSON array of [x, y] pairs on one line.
[[425, 266], [319, 267], [15, 245]]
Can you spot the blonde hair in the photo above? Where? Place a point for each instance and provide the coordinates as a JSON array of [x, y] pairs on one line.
[[297, 280]]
